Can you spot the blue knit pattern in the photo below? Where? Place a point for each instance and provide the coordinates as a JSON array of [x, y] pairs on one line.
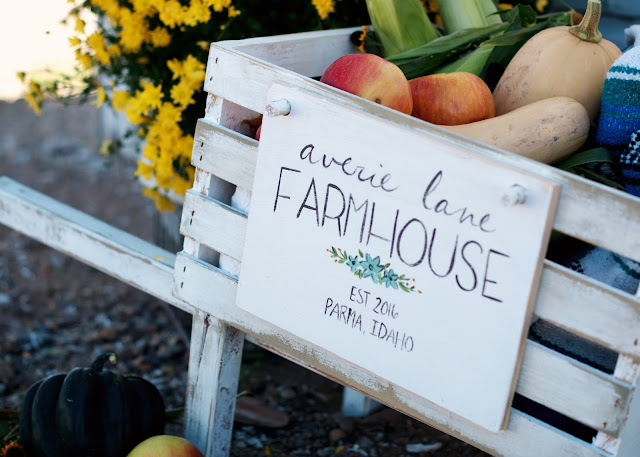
[[630, 163], [620, 102]]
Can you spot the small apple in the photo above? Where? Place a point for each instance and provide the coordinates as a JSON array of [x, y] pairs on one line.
[[258, 132], [165, 446], [451, 98], [372, 77]]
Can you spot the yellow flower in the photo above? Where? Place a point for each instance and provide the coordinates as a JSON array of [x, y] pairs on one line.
[[151, 95], [193, 71], [79, 25], [107, 147], [84, 60], [34, 103], [197, 13], [182, 94], [324, 7], [180, 185], [143, 6], [541, 5], [218, 5], [162, 203], [96, 42], [144, 170], [134, 29], [110, 7], [120, 99], [204, 45], [170, 13], [159, 37], [101, 97], [74, 41], [233, 12], [362, 37]]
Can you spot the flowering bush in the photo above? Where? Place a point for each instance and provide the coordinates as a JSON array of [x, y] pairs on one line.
[[147, 58]]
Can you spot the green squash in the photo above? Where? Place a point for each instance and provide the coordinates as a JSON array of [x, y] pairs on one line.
[[90, 412]]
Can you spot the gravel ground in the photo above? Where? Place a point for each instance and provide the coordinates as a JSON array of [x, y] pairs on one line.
[[59, 313]]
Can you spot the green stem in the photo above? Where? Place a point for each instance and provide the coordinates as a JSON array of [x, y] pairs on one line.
[[587, 30]]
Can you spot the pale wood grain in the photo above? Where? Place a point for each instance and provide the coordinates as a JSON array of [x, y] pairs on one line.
[[550, 378], [572, 301], [100, 245], [585, 210], [191, 274], [215, 357]]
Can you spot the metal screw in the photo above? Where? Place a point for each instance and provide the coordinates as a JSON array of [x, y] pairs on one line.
[[280, 107], [514, 195]]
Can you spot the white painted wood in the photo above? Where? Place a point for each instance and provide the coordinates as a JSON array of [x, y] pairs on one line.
[[588, 395], [357, 404], [552, 379], [215, 357], [100, 245], [515, 441], [572, 301], [307, 53], [231, 229], [230, 155], [586, 208], [425, 347], [590, 309]]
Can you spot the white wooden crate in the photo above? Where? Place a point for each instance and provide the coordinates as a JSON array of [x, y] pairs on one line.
[[239, 74]]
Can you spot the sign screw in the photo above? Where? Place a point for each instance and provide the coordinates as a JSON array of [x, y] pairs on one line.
[[280, 107], [514, 195]]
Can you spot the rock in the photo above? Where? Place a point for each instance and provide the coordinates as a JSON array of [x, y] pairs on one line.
[[250, 410], [416, 448], [336, 435]]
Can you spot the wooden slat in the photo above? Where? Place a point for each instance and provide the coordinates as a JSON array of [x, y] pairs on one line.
[[307, 53], [572, 301], [556, 381], [110, 250], [191, 274], [587, 210], [225, 153], [589, 308], [215, 357], [214, 224], [578, 391]]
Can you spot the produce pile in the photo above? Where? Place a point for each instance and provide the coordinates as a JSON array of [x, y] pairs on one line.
[[528, 83]]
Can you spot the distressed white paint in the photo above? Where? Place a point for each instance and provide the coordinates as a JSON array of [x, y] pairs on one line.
[[85, 238], [465, 304], [588, 211], [585, 209], [215, 356]]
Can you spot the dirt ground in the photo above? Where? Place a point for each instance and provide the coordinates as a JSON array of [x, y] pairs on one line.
[[58, 313]]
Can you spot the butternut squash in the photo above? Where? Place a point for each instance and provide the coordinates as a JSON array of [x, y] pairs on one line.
[[570, 61], [546, 130]]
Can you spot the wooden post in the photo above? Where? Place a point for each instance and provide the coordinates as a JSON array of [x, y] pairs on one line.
[[214, 366]]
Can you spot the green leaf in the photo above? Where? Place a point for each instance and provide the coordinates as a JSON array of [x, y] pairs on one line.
[[424, 59], [584, 157]]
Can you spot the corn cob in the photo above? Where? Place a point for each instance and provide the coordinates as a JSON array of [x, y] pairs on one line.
[[400, 24]]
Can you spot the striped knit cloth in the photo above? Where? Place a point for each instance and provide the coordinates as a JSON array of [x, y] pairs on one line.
[[620, 111], [620, 102]]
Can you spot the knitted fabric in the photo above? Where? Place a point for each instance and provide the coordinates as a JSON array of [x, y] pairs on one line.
[[630, 163], [620, 102]]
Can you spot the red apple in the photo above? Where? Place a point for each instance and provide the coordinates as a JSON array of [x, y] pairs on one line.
[[258, 132], [372, 77], [166, 446], [451, 98]]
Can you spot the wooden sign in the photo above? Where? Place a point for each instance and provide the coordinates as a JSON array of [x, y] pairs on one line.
[[401, 252]]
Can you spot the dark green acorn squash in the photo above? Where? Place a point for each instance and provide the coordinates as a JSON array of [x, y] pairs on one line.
[[90, 412]]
